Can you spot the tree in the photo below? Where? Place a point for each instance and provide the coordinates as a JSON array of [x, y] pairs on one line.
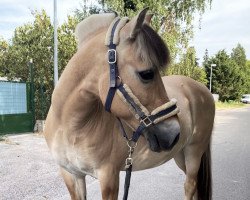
[[239, 56], [205, 58], [66, 42], [188, 66], [172, 19], [247, 78], [86, 10], [35, 41], [3, 51], [227, 78]]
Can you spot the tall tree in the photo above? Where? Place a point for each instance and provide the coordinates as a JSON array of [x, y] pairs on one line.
[[247, 78], [188, 66], [3, 51], [66, 42], [239, 56], [205, 58], [227, 78], [35, 41], [172, 18]]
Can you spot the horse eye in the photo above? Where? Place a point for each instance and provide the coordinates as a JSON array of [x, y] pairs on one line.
[[146, 75]]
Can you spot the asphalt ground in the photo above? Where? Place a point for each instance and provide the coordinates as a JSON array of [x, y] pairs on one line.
[[27, 171]]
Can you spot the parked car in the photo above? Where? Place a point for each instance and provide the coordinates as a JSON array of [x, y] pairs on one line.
[[245, 98]]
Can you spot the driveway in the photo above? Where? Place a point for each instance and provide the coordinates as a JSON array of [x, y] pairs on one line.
[[27, 171]]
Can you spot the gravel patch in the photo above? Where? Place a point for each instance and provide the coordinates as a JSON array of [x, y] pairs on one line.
[[28, 171]]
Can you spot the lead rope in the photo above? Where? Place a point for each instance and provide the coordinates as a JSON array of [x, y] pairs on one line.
[[128, 167], [129, 160]]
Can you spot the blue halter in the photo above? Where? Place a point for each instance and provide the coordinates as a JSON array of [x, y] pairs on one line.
[[145, 120]]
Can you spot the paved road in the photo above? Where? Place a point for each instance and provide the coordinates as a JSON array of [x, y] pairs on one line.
[[27, 171]]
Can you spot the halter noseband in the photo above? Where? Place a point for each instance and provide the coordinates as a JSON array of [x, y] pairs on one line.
[[141, 113]]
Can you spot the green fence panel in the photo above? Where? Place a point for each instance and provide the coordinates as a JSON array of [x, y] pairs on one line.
[[16, 107], [16, 123]]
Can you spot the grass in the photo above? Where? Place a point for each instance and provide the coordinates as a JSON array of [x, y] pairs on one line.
[[229, 105], [2, 138]]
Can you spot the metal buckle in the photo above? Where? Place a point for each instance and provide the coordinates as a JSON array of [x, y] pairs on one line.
[[111, 56], [146, 121], [128, 162]]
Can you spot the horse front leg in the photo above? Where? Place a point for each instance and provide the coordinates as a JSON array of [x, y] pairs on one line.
[[76, 185], [109, 182]]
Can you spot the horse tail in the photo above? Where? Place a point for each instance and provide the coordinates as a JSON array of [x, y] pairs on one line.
[[204, 179]]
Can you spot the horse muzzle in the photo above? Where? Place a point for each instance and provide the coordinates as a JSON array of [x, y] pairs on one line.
[[163, 136]]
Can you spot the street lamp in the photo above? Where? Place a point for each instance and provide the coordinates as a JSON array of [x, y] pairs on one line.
[[211, 71], [55, 45]]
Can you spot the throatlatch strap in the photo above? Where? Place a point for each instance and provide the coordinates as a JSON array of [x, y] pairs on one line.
[[123, 129]]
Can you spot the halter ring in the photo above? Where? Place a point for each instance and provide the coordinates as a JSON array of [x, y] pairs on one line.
[[131, 144], [146, 121]]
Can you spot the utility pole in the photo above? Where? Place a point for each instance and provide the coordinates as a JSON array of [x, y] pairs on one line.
[[211, 71], [55, 45]]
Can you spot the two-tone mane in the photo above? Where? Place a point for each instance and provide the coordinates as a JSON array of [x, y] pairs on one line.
[[150, 47]]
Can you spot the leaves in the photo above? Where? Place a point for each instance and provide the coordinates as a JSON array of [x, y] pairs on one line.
[[35, 41], [228, 78], [188, 66], [172, 18]]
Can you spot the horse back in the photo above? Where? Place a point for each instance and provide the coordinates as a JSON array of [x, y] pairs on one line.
[[196, 104]]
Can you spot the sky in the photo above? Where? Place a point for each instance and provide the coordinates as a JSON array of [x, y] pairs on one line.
[[223, 26]]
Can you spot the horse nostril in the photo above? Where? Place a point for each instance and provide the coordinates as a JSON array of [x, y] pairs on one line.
[[163, 136], [169, 141]]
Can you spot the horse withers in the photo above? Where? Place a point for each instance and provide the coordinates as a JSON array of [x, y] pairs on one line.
[[113, 81]]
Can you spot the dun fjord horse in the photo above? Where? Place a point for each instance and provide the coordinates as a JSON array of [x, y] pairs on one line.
[[112, 85]]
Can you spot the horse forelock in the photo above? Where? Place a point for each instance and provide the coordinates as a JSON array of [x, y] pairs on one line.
[[151, 49], [92, 24]]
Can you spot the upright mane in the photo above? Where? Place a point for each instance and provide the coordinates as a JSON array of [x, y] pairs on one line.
[[151, 49], [92, 24]]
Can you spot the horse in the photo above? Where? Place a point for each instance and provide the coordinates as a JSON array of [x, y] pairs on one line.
[[113, 84]]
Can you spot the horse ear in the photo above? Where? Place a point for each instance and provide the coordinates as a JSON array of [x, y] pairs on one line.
[[148, 18], [136, 23]]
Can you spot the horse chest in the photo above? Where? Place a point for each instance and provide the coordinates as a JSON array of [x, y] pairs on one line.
[[73, 160]]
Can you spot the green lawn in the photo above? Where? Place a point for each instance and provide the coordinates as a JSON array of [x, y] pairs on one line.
[[229, 105]]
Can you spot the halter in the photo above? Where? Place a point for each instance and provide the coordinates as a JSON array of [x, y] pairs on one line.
[[140, 112]]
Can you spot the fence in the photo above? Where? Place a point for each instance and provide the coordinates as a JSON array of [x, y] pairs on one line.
[[16, 107]]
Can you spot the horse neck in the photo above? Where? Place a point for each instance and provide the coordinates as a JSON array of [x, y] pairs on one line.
[[77, 93]]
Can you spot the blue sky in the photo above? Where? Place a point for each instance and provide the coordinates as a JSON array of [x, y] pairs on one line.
[[222, 27]]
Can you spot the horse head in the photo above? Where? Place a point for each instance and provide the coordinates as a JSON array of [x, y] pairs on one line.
[[131, 66]]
